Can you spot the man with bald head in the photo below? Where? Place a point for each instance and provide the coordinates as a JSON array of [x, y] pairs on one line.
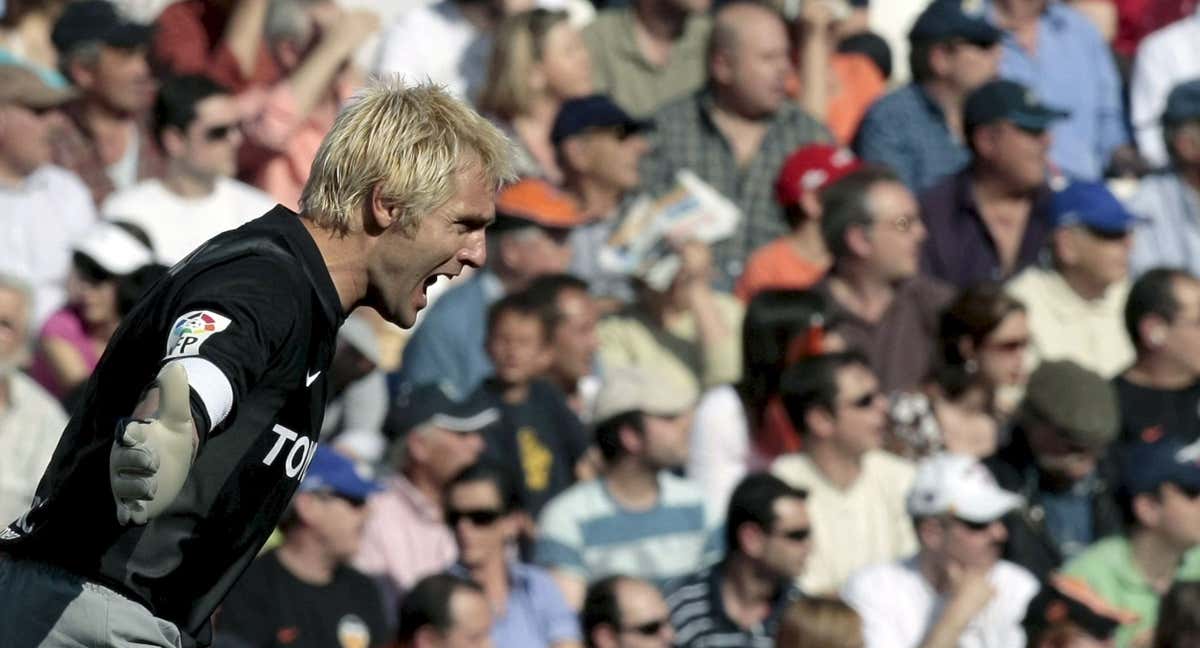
[[736, 132]]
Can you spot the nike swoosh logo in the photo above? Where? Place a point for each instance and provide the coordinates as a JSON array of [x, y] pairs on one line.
[[310, 378]]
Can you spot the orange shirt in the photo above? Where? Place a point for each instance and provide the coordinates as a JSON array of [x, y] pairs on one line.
[[854, 84], [777, 266]]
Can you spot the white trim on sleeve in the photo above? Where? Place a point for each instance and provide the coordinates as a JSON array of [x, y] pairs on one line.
[[211, 385]]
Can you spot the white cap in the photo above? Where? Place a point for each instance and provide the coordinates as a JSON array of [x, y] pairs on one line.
[[958, 485], [114, 249], [630, 389]]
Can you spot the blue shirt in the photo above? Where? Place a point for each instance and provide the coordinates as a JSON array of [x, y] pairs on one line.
[[1169, 232], [1069, 517], [1072, 69], [907, 132], [535, 615]]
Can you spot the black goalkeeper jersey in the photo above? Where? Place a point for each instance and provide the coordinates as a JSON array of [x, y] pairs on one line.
[[254, 315]]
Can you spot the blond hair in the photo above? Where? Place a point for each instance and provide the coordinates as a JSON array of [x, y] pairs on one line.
[[411, 141], [820, 622], [520, 44]]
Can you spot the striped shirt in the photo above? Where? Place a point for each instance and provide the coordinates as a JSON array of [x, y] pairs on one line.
[[1170, 233], [584, 531], [700, 621]]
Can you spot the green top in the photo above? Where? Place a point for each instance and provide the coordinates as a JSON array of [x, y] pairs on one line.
[[1108, 568]]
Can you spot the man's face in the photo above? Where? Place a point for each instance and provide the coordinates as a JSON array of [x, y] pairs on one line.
[[533, 252], [444, 453], [976, 546], [480, 524], [403, 264], [210, 144], [24, 138], [756, 68], [610, 157], [121, 79], [1179, 515], [1017, 154], [1182, 339], [668, 440], [518, 349], [1100, 257], [789, 542], [860, 412], [14, 329], [897, 231], [1059, 457], [645, 617], [972, 64], [338, 521], [472, 621], [575, 341]]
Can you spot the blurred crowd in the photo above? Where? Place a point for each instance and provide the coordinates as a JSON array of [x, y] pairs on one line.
[[939, 385]]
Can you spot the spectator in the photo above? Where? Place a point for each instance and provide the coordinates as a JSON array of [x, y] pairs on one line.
[[855, 489], [599, 147], [1137, 19], [739, 601], [1160, 393], [1055, 51], [31, 421], [1068, 613], [220, 39], [638, 516], [483, 509], [798, 259], [917, 130], [198, 127], [445, 611], [1057, 460], [538, 62], [106, 138], [112, 266], [358, 396], [1165, 59], [737, 131], [1170, 201], [649, 52], [1075, 306], [306, 588], [1178, 625], [406, 537], [625, 612], [1132, 571], [956, 591], [529, 239], [43, 208], [572, 315], [816, 622], [539, 438], [25, 38], [988, 221], [884, 307]]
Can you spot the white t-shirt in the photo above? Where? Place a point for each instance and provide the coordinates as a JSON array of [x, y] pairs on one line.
[[39, 222], [178, 225], [898, 606], [862, 525]]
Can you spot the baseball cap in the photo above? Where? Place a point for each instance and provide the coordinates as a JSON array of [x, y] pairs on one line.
[[330, 472], [1077, 402], [946, 19], [1007, 100], [437, 405], [635, 389], [958, 485], [535, 201], [1183, 103], [1069, 599], [97, 20], [22, 86], [1092, 205], [114, 249], [1148, 464], [594, 111], [812, 168]]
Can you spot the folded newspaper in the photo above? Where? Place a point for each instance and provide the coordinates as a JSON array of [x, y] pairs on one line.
[[641, 245]]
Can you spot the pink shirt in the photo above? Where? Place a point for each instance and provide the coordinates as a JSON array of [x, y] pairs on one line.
[[64, 325], [405, 537]]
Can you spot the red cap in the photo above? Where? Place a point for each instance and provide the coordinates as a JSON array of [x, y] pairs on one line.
[[539, 202], [812, 168]]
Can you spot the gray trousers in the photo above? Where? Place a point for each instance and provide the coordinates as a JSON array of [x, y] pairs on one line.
[[42, 606]]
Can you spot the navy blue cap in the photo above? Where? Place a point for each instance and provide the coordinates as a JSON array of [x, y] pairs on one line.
[[947, 19], [441, 406], [330, 472], [1153, 461], [1183, 104], [595, 111], [97, 20], [1092, 205], [1007, 100]]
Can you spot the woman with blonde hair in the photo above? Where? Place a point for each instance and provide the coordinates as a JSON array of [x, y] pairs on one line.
[[539, 60], [820, 622]]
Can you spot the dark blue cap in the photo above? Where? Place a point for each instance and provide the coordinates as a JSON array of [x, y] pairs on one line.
[[1183, 104], [595, 111], [1155, 460], [96, 20], [441, 406], [1092, 205], [948, 19], [1007, 100], [330, 472]]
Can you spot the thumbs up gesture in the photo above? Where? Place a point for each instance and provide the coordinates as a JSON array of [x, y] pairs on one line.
[[150, 459]]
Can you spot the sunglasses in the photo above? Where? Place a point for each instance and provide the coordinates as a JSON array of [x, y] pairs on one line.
[[974, 527], [478, 517], [649, 628], [354, 502], [866, 401], [221, 132], [1107, 235], [1190, 492], [795, 535]]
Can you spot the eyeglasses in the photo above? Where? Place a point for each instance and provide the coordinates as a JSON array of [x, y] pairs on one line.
[[478, 517], [796, 535], [221, 132], [649, 628], [1107, 235]]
